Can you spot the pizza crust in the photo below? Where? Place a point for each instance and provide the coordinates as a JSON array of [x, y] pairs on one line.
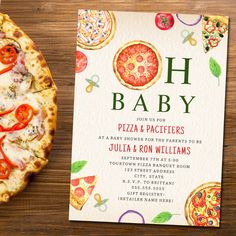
[[44, 90], [223, 19], [76, 202], [188, 201], [18, 179]]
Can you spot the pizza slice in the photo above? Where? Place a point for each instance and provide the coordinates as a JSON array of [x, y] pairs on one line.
[[80, 190], [27, 109], [214, 29]]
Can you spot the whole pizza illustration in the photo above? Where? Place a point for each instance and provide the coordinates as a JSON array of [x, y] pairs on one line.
[[202, 207], [80, 190], [137, 65], [95, 28], [27, 109], [214, 29]]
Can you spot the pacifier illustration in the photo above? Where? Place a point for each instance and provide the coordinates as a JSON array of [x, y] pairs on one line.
[[93, 82], [188, 37], [101, 204]]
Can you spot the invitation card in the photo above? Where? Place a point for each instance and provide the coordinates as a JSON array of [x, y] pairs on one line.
[[148, 118]]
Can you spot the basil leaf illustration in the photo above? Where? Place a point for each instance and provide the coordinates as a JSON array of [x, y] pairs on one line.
[[215, 68], [78, 166], [162, 217]]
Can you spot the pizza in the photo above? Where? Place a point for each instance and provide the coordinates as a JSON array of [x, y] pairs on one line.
[[80, 190], [27, 109], [95, 28], [202, 207], [214, 29], [137, 65]]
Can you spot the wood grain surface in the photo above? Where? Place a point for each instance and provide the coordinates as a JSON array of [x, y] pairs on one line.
[[42, 209]]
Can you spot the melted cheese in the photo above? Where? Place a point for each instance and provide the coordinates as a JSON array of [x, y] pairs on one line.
[[17, 80], [20, 146], [17, 155], [27, 138], [5, 79], [6, 104]]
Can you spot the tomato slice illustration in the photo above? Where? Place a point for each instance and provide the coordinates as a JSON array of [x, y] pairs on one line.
[[81, 62]]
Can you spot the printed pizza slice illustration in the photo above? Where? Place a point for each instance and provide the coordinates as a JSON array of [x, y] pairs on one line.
[[202, 207], [214, 29], [95, 28], [80, 190], [137, 65]]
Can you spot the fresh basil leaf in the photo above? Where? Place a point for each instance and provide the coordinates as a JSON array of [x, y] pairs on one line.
[[77, 166], [162, 217], [215, 67]]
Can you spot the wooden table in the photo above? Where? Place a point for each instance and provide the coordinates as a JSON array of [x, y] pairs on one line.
[[42, 209]]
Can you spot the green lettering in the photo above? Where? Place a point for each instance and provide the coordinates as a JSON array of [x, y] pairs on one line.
[[187, 103], [185, 70], [161, 102], [142, 103], [118, 100]]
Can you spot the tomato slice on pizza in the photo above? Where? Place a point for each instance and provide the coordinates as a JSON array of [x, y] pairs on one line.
[[202, 207], [80, 190], [137, 65], [214, 29]]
